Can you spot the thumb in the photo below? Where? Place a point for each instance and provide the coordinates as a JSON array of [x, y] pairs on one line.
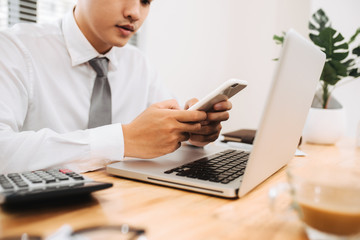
[[168, 104], [190, 102]]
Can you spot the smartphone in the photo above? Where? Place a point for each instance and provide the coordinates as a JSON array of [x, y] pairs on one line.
[[222, 93]]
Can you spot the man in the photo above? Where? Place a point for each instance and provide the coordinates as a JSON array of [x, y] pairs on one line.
[[48, 93]]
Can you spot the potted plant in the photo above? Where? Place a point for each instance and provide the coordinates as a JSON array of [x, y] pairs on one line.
[[326, 119]]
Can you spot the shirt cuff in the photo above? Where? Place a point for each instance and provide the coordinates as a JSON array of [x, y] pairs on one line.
[[107, 142]]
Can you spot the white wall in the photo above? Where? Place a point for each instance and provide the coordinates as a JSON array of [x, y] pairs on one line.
[[345, 18], [196, 45]]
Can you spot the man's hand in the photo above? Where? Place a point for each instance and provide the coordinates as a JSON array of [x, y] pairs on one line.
[[211, 127], [160, 129]]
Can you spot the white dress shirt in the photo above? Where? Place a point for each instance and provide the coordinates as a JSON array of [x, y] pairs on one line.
[[45, 91]]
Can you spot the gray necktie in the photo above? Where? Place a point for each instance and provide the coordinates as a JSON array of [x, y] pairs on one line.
[[100, 106]]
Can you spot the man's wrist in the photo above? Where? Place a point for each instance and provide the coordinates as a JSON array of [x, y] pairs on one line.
[[128, 142]]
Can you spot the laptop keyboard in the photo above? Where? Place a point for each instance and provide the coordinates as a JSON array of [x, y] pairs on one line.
[[222, 167]]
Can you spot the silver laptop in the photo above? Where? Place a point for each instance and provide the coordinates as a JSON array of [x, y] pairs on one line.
[[204, 170]]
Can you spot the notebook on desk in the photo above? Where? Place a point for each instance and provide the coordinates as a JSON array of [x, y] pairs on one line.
[[232, 173]]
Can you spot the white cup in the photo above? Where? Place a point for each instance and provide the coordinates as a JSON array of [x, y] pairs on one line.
[[325, 197]]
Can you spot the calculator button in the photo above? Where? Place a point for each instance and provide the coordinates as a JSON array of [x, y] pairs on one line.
[[75, 176], [65, 170]]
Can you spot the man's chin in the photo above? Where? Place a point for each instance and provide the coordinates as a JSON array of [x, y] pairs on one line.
[[120, 42]]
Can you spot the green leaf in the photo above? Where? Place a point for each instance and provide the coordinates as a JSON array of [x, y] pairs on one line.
[[353, 37], [349, 63], [330, 40], [339, 56], [341, 46], [355, 72], [356, 51], [278, 39], [340, 68], [341, 61], [329, 74], [319, 21]]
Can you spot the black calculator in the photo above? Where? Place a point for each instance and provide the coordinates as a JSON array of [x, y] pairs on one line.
[[45, 184]]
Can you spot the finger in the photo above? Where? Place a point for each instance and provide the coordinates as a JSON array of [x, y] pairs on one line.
[[189, 116], [222, 106], [168, 104], [204, 123], [210, 129], [204, 138], [184, 136], [188, 127], [217, 116], [190, 103]]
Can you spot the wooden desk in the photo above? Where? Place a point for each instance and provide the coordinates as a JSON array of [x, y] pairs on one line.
[[168, 213]]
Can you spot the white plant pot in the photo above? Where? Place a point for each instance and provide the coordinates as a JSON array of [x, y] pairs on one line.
[[324, 126]]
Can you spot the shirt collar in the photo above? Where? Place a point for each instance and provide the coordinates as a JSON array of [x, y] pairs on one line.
[[79, 48]]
